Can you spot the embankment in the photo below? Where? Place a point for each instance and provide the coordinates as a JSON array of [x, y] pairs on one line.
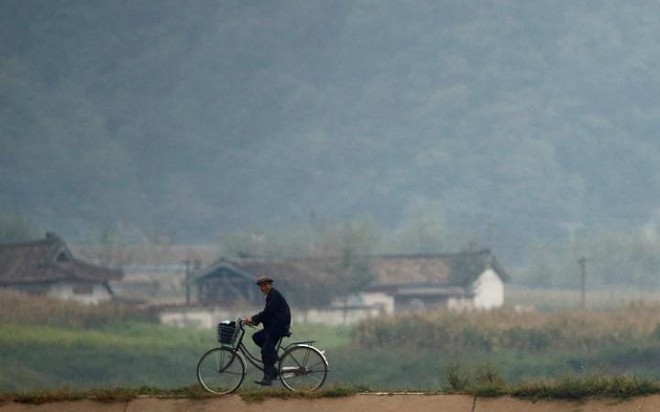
[[356, 403]]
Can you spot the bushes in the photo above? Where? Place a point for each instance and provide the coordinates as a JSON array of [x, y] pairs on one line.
[[518, 346], [453, 332], [532, 340], [24, 309], [483, 380], [580, 387], [442, 333]]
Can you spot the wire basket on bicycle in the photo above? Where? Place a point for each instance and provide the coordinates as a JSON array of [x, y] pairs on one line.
[[227, 333]]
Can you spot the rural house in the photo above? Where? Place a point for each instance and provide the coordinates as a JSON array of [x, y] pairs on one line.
[[46, 267], [396, 283], [454, 280]]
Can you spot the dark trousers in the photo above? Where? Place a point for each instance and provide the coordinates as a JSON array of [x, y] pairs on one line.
[[267, 340]]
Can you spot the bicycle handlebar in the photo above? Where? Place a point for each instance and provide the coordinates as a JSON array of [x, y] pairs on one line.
[[240, 322]]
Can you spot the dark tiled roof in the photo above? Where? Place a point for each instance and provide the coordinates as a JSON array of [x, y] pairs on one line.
[[448, 270], [289, 270], [47, 260], [410, 269]]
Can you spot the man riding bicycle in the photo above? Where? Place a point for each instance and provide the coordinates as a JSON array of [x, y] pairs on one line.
[[276, 318]]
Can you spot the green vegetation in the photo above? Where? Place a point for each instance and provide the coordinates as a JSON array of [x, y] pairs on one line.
[[16, 308], [191, 392], [501, 330], [597, 299], [103, 395], [329, 337], [485, 353], [485, 383], [505, 123], [15, 228], [518, 346], [573, 387]]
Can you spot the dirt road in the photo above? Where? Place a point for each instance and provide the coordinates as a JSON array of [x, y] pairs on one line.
[[357, 403]]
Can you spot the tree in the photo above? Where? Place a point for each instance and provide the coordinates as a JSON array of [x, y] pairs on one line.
[[351, 245], [15, 228]]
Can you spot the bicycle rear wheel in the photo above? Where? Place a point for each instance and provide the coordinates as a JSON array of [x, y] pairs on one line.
[[221, 370], [303, 368]]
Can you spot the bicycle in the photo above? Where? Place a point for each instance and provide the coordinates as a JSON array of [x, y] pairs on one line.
[[301, 367]]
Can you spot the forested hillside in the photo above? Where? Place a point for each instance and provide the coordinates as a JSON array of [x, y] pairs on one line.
[[505, 123]]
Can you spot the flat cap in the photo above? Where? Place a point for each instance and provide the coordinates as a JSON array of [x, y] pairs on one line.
[[264, 279]]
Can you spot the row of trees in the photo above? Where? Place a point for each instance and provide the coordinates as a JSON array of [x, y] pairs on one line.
[[505, 121], [14, 228]]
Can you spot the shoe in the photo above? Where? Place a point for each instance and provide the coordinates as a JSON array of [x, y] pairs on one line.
[[265, 381]]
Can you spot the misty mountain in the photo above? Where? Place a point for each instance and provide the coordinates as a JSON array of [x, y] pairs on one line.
[[507, 121]]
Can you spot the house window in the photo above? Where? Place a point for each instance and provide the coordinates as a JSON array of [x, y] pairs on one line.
[[83, 289], [62, 257]]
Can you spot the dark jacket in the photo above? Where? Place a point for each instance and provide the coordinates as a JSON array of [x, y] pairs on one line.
[[276, 316]]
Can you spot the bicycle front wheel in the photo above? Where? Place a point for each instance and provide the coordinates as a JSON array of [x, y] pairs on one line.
[[221, 370], [303, 368]]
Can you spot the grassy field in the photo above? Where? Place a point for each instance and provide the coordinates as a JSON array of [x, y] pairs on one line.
[[568, 299], [47, 345], [123, 354], [35, 357]]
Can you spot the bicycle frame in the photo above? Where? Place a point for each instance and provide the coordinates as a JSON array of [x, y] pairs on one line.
[[255, 360]]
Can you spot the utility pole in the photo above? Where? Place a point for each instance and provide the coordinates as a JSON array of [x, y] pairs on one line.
[[583, 273], [188, 279]]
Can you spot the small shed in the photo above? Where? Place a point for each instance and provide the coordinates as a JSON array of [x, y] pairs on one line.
[[228, 283], [224, 285], [46, 267]]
